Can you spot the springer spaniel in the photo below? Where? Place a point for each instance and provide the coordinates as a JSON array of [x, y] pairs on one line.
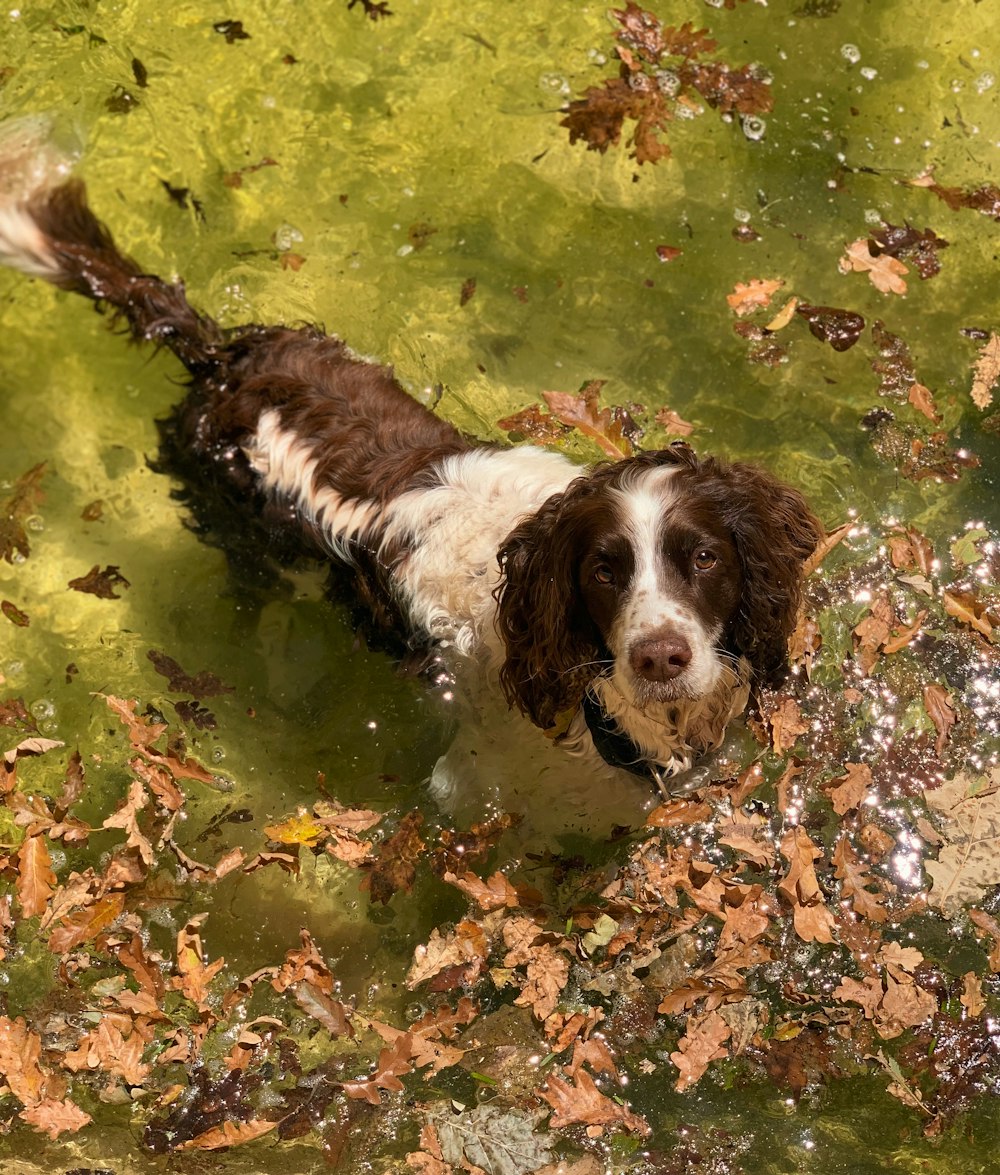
[[625, 609]]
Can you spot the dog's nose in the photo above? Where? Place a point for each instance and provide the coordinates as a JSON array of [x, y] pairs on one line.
[[660, 658]]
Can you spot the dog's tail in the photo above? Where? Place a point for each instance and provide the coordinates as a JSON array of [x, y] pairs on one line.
[[47, 230]]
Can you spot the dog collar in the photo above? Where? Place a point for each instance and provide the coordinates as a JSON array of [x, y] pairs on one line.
[[614, 747]]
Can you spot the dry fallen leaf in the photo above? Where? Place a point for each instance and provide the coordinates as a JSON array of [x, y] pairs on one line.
[[608, 427], [851, 790], [194, 976], [466, 946], [493, 894], [986, 372], [854, 876], [583, 1103], [85, 924], [547, 974], [53, 1117], [35, 879], [749, 296], [972, 998], [812, 920], [226, 1135], [786, 724], [20, 1053], [105, 1048], [699, 1046], [937, 703], [966, 609], [885, 272]]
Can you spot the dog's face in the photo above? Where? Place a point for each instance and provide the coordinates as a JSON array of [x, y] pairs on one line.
[[661, 580], [652, 573]]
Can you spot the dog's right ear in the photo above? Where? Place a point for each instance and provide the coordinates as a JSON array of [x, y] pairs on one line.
[[550, 644]]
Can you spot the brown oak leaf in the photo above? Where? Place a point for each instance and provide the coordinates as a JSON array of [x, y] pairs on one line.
[[226, 1135], [884, 272], [583, 1103], [54, 1117], [851, 790], [35, 878], [700, 1045], [811, 918]]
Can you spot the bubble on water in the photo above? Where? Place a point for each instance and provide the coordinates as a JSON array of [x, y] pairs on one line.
[[285, 236], [42, 709], [554, 83], [850, 53], [742, 215], [868, 73], [985, 81], [754, 127], [218, 754], [668, 82]]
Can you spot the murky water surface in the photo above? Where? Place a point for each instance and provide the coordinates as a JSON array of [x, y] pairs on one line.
[[405, 181]]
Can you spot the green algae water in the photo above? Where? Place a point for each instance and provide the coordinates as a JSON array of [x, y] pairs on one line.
[[400, 174]]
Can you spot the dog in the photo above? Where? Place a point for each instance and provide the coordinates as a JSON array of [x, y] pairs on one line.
[[626, 610]]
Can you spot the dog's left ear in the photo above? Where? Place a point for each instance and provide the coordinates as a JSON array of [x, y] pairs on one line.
[[775, 533]]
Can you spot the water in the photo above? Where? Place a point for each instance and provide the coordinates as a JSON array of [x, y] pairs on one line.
[[360, 173]]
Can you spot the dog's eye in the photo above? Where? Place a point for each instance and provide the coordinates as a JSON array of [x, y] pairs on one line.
[[604, 575], [705, 559]]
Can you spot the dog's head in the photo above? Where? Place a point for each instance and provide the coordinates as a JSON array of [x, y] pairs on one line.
[[653, 571]]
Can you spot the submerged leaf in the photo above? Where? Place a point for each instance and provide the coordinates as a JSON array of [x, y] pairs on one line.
[[986, 372], [18, 507], [498, 1140], [969, 862], [228, 1134]]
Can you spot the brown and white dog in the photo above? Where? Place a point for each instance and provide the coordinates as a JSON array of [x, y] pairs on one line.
[[627, 608]]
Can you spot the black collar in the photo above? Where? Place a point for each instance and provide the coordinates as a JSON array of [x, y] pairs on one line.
[[614, 747]]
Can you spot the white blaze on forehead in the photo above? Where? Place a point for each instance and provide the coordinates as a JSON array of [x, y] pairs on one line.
[[649, 604], [642, 503]]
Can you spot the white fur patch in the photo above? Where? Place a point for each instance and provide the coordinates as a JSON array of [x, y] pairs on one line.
[[30, 163], [24, 246], [287, 466], [456, 529]]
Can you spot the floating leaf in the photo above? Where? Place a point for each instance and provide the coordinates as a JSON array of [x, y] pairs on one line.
[[700, 1045], [35, 879], [884, 272], [583, 1103], [750, 296], [53, 1117]]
